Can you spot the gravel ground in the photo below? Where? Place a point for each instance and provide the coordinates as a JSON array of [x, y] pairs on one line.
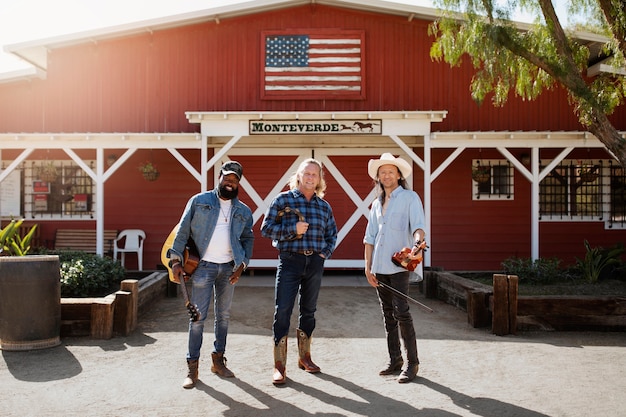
[[464, 371]]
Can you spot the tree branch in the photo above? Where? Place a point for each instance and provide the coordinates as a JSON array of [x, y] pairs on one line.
[[617, 24]]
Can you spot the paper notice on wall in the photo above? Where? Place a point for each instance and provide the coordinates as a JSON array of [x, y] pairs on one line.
[[40, 202], [80, 202], [10, 193]]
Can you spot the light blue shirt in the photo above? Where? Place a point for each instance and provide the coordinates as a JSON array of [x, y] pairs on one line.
[[391, 232]]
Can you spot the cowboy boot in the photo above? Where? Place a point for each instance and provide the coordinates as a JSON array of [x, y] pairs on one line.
[[393, 366], [409, 373], [395, 354], [219, 365], [280, 362], [304, 353], [192, 375]]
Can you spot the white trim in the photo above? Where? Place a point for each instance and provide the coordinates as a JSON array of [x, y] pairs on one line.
[[225, 130], [492, 196], [605, 66]]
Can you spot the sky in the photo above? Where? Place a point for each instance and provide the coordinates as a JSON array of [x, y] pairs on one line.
[[28, 20]]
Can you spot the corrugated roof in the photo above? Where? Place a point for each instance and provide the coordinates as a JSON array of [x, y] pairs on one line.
[[36, 52]]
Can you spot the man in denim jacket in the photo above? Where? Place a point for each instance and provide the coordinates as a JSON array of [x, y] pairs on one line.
[[221, 228]]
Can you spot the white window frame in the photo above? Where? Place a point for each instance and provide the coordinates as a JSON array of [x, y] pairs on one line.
[[28, 193], [494, 194]]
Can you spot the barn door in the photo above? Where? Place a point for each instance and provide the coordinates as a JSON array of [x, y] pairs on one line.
[[350, 192]]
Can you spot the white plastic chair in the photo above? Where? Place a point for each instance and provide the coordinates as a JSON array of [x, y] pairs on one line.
[[133, 242]]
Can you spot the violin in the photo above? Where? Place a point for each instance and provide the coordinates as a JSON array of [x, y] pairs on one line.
[[407, 261]]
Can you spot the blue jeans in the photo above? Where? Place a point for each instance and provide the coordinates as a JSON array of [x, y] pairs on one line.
[[207, 276], [296, 273]]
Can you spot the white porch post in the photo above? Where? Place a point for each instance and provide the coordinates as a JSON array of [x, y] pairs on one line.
[[427, 194], [534, 205], [100, 201]]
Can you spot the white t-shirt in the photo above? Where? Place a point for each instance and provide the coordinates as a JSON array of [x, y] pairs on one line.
[[220, 250]]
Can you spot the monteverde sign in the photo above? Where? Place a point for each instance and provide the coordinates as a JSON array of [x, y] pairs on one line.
[[316, 127]]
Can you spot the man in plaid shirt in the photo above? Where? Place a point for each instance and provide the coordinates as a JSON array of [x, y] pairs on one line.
[[303, 229]]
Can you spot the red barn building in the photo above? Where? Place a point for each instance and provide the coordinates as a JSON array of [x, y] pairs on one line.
[[191, 91]]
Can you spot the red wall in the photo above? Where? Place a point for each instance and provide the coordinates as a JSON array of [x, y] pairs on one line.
[[145, 83]]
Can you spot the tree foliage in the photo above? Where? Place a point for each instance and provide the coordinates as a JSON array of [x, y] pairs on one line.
[[529, 59]]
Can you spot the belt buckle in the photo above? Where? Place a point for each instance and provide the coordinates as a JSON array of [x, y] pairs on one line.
[[307, 252]]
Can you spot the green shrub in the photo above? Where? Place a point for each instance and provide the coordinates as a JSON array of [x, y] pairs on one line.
[[88, 275], [541, 271], [598, 260]]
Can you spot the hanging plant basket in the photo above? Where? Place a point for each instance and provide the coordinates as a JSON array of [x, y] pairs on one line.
[[151, 175], [47, 173], [588, 176], [481, 174], [149, 171], [111, 159]]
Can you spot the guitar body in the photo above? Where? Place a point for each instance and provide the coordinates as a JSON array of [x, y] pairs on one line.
[[190, 262]]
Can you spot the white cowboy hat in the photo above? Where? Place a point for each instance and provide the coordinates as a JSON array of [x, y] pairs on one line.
[[388, 159]]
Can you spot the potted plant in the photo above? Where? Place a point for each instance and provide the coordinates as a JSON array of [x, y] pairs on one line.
[[47, 172], [588, 172], [30, 293], [149, 171], [111, 159], [481, 173], [11, 243]]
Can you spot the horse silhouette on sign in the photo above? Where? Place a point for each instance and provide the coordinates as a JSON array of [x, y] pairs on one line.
[[364, 127]]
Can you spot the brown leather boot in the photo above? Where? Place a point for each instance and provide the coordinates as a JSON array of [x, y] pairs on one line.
[[219, 365], [304, 353], [394, 365], [192, 375], [280, 362], [409, 373]]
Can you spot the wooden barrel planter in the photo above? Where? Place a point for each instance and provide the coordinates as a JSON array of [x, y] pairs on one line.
[[30, 302]]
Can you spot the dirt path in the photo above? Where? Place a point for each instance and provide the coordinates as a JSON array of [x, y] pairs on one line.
[[464, 371]]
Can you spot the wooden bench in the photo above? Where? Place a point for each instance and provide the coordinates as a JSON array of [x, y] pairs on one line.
[[83, 240]]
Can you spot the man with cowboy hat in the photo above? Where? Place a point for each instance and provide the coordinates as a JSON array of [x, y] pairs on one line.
[[396, 220]]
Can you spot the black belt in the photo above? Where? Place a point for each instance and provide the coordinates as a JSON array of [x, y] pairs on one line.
[[303, 252], [231, 263]]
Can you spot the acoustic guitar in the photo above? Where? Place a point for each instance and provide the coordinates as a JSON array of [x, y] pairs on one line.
[[190, 263]]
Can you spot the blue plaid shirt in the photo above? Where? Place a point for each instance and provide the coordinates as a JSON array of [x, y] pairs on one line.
[[322, 233]]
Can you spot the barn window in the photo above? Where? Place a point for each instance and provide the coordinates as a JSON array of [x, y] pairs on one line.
[[49, 190], [591, 190], [492, 179]]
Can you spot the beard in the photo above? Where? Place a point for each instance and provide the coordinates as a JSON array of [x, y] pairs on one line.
[[227, 194]]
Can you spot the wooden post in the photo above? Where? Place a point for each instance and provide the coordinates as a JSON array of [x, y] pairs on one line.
[[102, 317], [504, 319], [132, 286], [478, 308], [122, 320], [512, 282], [500, 315], [430, 284]]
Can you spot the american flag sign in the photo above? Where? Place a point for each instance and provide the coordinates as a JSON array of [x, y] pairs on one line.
[[313, 64]]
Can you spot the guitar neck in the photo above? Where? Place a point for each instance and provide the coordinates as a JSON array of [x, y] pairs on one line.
[[183, 290]]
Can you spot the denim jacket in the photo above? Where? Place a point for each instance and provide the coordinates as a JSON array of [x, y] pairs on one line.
[[199, 219]]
